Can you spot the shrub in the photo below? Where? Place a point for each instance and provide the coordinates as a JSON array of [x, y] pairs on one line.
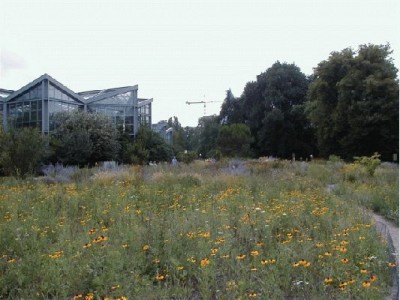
[[84, 138], [370, 163], [21, 151], [187, 157]]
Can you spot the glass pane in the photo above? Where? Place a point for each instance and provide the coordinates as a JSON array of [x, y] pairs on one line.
[[57, 94], [51, 91]]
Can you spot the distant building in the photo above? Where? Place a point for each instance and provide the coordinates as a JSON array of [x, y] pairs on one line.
[[164, 130], [35, 104]]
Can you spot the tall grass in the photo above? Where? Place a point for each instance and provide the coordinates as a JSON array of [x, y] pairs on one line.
[[192, 232]]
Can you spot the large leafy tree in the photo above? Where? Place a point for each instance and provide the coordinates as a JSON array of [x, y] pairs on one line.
[[84, 138], [353, 103], [274, 110]]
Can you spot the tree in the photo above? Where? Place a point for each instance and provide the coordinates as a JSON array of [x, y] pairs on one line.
[[179, 143], [209, 128], [231, 110], [273, 108], [234, 140], [21, 151], [84, 138], [149, 146], [353, 103]]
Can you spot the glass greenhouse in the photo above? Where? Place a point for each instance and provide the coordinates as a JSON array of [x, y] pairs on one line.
[[35, 105]]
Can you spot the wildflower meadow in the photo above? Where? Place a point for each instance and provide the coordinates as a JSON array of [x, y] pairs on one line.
[[208, 230]]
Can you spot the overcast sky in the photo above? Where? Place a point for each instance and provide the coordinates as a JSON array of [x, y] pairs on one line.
[[181, 50]]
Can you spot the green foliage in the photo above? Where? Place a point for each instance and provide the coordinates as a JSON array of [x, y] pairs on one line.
[[208, 134], [231, 110], [234, 140], [370, 163], [179, 140], [187, 157], [353, 103], [81, 138], [147, 146], [334, 158], [274, 111], [21, 151]]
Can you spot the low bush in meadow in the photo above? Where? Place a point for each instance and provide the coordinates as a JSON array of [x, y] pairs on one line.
[[197, 231]]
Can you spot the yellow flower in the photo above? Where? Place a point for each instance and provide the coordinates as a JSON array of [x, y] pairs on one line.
[[366, 284], [204, 262], [179, 268], [363, 271], [344, 260], [391, 265], [146, 247], [296, 264], [252, 295], [253, 269], [225, 256], [214, 251], [342, 284], [254, 253], [328, 253], [191, 259], [343, 249], [241, 257], [160, 277], [351, 281], [328, 280], [87, 245], [89, 296], [56, 254], [373, 278]]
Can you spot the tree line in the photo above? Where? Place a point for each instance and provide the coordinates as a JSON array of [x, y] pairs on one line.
[[348, 107]]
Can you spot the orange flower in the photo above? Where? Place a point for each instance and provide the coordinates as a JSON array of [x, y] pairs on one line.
[[204, 262], [366, 284]]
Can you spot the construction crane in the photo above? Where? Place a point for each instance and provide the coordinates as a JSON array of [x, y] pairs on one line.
[[201, 102]]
